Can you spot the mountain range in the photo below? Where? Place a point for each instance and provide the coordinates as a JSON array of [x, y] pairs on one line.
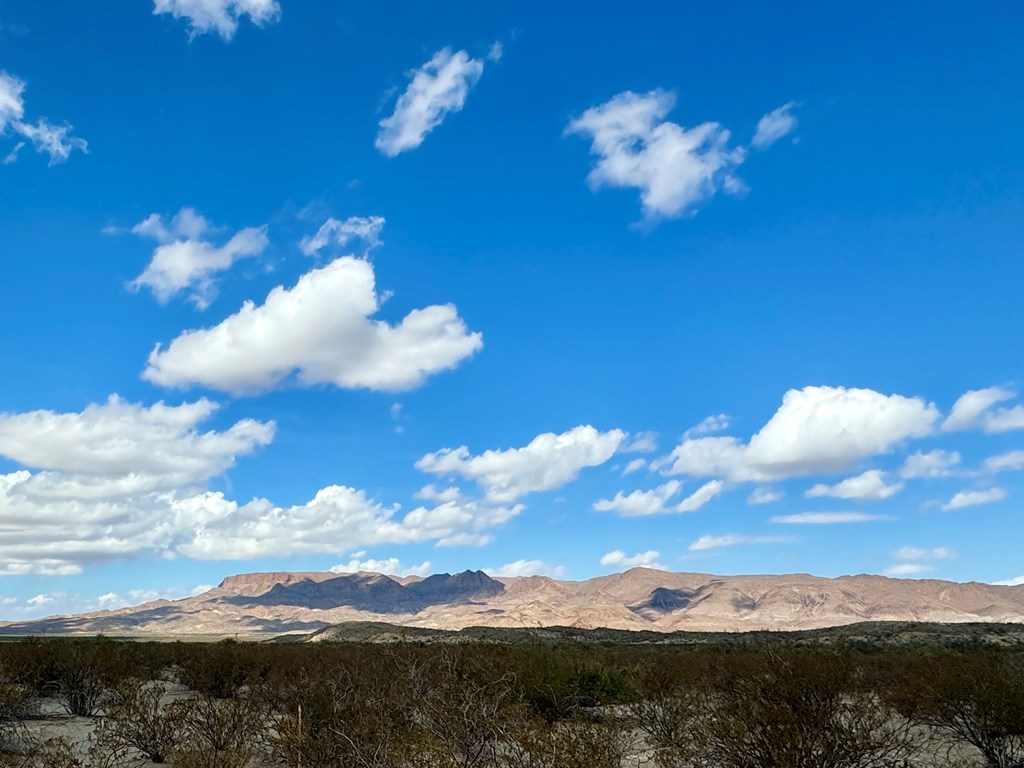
[[264, 604]]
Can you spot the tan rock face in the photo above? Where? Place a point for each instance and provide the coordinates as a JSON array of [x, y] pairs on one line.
[[639, 599]]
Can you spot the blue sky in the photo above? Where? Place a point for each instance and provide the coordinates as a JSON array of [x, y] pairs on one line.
[[271, 269]]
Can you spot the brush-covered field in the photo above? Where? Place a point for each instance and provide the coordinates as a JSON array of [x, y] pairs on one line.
[[768, 703]]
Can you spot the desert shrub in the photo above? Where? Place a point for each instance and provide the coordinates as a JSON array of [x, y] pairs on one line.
[[342, 718], [218, 733], [670, 710], [462, 705], [803, 709], [17, 703], [84, 677], [138, 724], [976, 699], [223, 669], [56, 752], [538, 743]]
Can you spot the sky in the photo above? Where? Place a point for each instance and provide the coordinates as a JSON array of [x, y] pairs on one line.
[[424, 288]]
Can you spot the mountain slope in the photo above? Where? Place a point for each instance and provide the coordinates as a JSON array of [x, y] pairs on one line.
[[639, 599]]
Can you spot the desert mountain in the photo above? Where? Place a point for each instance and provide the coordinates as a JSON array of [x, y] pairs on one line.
[[639, 599]]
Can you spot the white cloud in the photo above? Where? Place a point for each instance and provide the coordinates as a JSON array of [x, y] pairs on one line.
[[937, 463], [459, 522], [634, 466], [431, 493], [826, 518], [548, 462], [641, 442], [118, 481], [917, 553], [12, 102], [974, 498], [321, 332], [639, 503], [339, 234], [119, 449], [909, 569], [64, 603], [1011, 582], [392, 566], [12, 157], [54, 140], [220, 16], [775, 125], [974, 410], [187, 259], [701, 496], [815, 430], [732, 539], [1005, 462], [438, 87], [619, 559], [337, 519], [869, 486], [526, 568], [673, 167], [716, 423], [765, 496]]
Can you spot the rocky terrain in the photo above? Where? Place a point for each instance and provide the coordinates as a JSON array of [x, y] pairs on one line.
[[640, 599]]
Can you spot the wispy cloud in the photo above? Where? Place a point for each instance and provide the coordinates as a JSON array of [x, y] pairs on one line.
[[436, 89], [827, 518]]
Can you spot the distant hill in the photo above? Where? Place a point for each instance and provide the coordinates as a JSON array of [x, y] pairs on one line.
[[640, 599]]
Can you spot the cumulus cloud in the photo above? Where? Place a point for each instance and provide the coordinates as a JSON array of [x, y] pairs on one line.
[[119, 480], [340, 234], [639, 503], [548, 462], [1005, 462], [732, 539], [526, 568], [815, 430], [976, 410], [391, 566], [320, 331], [765, 496], [937, 463], [1011, 582], [186, 259], [869, 486], [619, 559], [53, 140], [436, 89], [118, 449], [220, 16], [775, 125], [974, 498], [673, 167], [827, 518]]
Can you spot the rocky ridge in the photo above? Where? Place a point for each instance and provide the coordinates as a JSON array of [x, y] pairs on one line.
[[640, 599]]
